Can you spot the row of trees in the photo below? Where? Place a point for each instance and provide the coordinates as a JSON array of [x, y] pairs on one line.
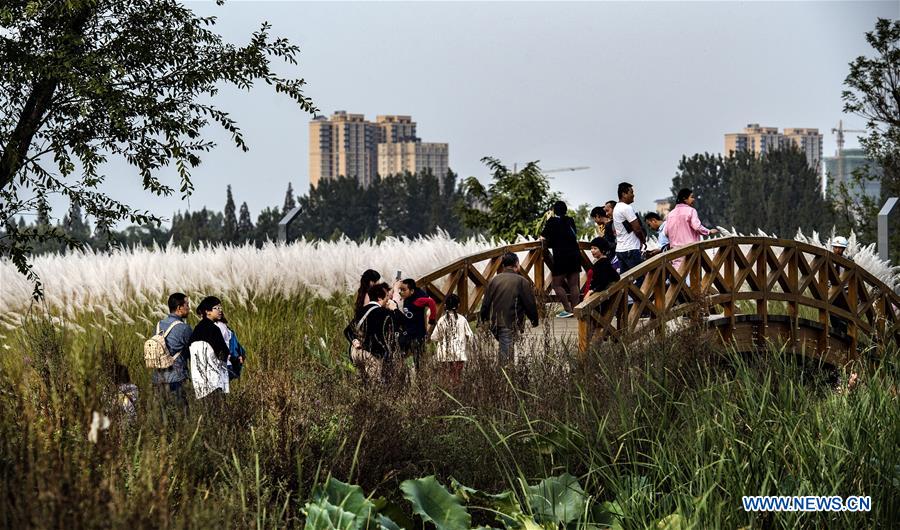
[[398, 205]]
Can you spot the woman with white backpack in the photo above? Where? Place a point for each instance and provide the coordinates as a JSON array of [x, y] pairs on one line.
[[209, 351]]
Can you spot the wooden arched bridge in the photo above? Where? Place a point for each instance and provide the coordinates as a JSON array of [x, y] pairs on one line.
[[752, 289]]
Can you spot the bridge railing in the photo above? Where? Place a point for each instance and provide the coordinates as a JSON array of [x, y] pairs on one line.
[[732, 273]]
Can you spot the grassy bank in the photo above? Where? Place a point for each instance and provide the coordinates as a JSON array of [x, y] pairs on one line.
[[674, 432]]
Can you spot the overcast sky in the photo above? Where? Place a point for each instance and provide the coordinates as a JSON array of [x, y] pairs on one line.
[[625, 88]]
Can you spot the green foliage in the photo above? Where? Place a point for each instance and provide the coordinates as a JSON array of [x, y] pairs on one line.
[[267, 225], [873, 92], [341, 506], [776, 192], [514, 204], [230, 223], [83, 80], [245, 226], [557, 500], [396, 205], [433, 503]]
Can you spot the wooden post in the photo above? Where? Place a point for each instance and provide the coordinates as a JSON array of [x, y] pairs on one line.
[[462, 287], [659, 297], [585, 326], [539, 273], [732, 248], [824, 315], [852, 302], [762, 303], [793, 274]]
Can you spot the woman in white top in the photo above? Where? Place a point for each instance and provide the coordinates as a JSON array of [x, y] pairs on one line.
[[453, 337]]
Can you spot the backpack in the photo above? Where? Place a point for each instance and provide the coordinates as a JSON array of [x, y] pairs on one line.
[[354, 330], [156, 353]]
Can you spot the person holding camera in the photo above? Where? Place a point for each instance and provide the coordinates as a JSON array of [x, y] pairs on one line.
[[417, 313]]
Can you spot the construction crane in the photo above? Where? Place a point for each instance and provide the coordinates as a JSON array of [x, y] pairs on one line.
[[840, 130], [556, 170]]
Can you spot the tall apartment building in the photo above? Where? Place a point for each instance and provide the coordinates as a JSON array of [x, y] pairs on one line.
[[348, 145], [761, 140], [808, 141], [342, 145], [412, 157]]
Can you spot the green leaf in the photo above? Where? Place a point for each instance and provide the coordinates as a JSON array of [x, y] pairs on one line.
[[435, 504], [503, 504], [326, 516], [348, 497], [556, 499], [338, 505]]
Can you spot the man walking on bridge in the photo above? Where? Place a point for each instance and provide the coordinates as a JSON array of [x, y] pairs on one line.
[[508, 299]]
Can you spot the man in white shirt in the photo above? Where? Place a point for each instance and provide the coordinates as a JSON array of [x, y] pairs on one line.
[[630, 240]]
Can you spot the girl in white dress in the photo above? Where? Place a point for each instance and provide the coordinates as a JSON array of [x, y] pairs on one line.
[[453, 337]]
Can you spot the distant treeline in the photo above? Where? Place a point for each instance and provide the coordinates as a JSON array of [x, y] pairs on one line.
[[398, 205]]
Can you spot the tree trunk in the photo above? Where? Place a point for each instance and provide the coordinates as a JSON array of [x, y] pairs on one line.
[[36, 107], [15, 152]]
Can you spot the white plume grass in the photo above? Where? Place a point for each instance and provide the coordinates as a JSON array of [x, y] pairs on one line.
[[134, 280], [866, 256], [114, 283]]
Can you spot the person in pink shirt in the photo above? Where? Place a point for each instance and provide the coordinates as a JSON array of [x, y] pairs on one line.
[[683, 225]]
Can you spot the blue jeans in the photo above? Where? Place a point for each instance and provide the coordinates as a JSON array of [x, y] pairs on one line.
[[507, 338], [629, 260]]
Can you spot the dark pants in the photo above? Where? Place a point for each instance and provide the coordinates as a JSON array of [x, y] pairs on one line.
[[629, 260], [414, 346], [567, 289], [172, 393]]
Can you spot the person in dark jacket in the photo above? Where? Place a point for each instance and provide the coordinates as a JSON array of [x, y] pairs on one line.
[[210, 312], [209, 351], [561, 237], [414, 320], [602, 272], [508, 300], [373, 334]]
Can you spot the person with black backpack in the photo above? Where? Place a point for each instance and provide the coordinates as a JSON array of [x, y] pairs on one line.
[[169, 364]]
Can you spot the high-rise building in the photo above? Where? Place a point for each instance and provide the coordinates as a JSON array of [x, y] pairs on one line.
[[394, 129], [343, 145], [348, 145], [840, 169], [808, 141], [412, 157], [761, 140]]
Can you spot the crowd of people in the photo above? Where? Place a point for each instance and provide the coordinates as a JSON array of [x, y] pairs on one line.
[[395, 322]]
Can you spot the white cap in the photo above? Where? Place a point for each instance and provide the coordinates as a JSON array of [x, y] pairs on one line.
[[839, 241]]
